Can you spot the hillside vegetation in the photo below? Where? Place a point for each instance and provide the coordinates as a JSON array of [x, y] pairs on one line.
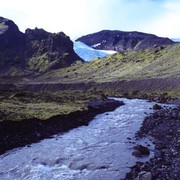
[[162, 62]]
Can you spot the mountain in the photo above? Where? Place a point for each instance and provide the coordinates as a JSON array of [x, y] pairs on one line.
[[87, 53], [123, 41], [33, 51]]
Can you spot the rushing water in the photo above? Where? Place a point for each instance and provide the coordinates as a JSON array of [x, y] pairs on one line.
[[97, 151]]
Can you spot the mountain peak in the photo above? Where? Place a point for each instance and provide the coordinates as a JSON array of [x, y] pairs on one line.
[[36, 34], [7, 25], [122, 41], [36, 50]]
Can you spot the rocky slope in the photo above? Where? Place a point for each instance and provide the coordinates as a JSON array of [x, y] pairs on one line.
[[123, 41], [33, 51]]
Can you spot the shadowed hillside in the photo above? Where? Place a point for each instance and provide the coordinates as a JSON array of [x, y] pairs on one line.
[[33, 51]]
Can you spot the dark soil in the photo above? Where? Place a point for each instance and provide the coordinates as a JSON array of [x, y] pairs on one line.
[[16, 134], [163, 127], [132, 87]]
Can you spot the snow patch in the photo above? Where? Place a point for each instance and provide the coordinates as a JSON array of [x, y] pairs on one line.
[[96, 45]]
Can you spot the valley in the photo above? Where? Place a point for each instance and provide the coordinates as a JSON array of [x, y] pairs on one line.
[[46, 88]]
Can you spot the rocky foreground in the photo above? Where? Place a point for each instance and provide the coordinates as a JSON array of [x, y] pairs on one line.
[[163, 127]]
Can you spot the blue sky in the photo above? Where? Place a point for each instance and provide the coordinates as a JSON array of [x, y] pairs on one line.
[[81, 17]]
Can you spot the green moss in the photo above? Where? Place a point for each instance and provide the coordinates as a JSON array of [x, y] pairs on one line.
[[19, 106], [39, 63], [43, 110]]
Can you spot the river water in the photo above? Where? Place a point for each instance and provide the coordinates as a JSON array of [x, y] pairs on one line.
[[100, 150]]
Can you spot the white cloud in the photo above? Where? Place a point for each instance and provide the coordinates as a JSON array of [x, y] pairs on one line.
[[173, 5], [71, 16], [167, 24], [80, 17]]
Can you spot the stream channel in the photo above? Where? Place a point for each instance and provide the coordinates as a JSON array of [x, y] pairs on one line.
[[100, 150]]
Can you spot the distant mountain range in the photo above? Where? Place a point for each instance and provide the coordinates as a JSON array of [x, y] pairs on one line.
[[123, 41]]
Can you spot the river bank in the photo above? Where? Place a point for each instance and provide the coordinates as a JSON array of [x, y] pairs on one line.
[[19, 133], [162, 127]]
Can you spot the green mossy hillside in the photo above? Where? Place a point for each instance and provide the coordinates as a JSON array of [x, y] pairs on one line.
[[162, 62]]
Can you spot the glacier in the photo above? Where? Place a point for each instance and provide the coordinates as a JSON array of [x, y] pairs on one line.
[[87, 53]]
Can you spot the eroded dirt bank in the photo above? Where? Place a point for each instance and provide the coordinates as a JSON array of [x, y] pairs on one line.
[[15, 134]]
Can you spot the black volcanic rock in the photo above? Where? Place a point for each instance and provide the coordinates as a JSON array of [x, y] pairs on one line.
[[49, 50], [12, 43], [36, 34], [123, 41], [33, 51]]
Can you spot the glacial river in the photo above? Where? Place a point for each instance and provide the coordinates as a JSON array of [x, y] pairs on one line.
[[99, 151]]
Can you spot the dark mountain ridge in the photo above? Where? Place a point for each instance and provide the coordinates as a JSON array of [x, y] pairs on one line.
[[123, 41], [33, 51]]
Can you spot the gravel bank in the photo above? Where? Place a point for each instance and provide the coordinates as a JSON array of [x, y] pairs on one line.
[[163, 127]]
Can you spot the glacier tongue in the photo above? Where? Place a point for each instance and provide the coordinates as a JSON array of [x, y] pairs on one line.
[[87, 53]]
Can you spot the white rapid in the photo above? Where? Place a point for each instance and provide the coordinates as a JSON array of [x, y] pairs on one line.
[[97, 151]]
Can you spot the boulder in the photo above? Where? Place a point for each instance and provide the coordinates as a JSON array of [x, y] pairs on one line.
[[157, 107], [140, 151], [143, 175]]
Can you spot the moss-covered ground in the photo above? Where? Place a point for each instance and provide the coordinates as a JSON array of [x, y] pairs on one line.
[[19, 106]]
